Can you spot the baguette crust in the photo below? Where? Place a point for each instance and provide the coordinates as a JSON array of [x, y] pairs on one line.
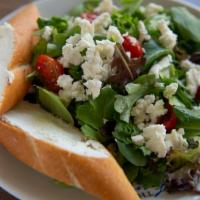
[[101, 177], [24, 24], [16, 90]]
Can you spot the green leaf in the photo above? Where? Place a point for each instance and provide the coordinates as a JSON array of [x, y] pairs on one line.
[[149, 178], [94, 112], [53, 104], [91, 133], [53, 50], [59, 23], [131, 171], [186, 23], [75, 72], [133, 155], [40, 48], [124, 104], [187, 115], [123, 132], [130, 6], [154, 53]]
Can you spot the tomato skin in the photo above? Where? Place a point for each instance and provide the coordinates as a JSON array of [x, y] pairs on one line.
[[133, 47], [89, 16], [49, 70], [169, 120], [198, 94]]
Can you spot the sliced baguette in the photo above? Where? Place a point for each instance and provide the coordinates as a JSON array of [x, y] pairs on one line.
[[57, 150], [16, 44]]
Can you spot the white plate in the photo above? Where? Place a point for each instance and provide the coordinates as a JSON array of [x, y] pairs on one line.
[[27, 184]]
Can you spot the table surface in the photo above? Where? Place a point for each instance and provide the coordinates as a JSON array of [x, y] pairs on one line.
[[7, 6]]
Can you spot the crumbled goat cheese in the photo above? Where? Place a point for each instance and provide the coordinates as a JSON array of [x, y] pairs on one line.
[[85, 25], [187, 64], [85, 42], [47, 33], [176, 141], [170, 90], [138, 139], [106, 49], [74, 39], [167, 38], [93, 66], [193, 80], [144, 36], [154, 136], [71, 90], [71, 55], [114, 34], [93, 88], [106, 6], [147, 110], [101, 23], [153, 9], [162, 66]]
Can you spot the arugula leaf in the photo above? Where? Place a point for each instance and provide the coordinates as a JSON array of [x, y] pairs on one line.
[[86, 6], [124, 104], [53, 104], [131, 171], [91, 133], [187, 115], [186, 23], [75, 72], [152, 177], [94, 112], [123, 132], [154, 53], [133, 155], [40, 48], [130, 6], [59, 23], [125, 23]]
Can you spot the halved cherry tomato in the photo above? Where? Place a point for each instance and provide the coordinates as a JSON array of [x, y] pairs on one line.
[[49, 70], [89, 16], [169, 120], [133, 47], [198, 94]]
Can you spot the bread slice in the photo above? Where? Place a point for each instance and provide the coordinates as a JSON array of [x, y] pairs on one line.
[[16, 44], [58, 150]]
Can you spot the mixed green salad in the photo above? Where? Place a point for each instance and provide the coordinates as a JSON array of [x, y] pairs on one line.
[[128, 76]]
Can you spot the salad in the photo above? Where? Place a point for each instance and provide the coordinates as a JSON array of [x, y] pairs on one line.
[[128, 76]]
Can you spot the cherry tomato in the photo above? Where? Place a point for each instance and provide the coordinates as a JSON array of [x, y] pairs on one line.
[[89, 16], [198, 94], [169, 120], [133, 46], [49, 70]]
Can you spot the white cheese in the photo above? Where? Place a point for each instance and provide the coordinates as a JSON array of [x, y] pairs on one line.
[[162, 66], [101, 23], [71, 90], [154, 136], [193, 80], [85, 42], [93, 88], [114, 34], [168, 39], [106, 6], [106, 49], [85, 25], [71, 55], [187, 64], [153, 9], [176, 141], [170, 90], [144, 36], [138, 139], [47, 33], [147, 110], [74, 39]]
